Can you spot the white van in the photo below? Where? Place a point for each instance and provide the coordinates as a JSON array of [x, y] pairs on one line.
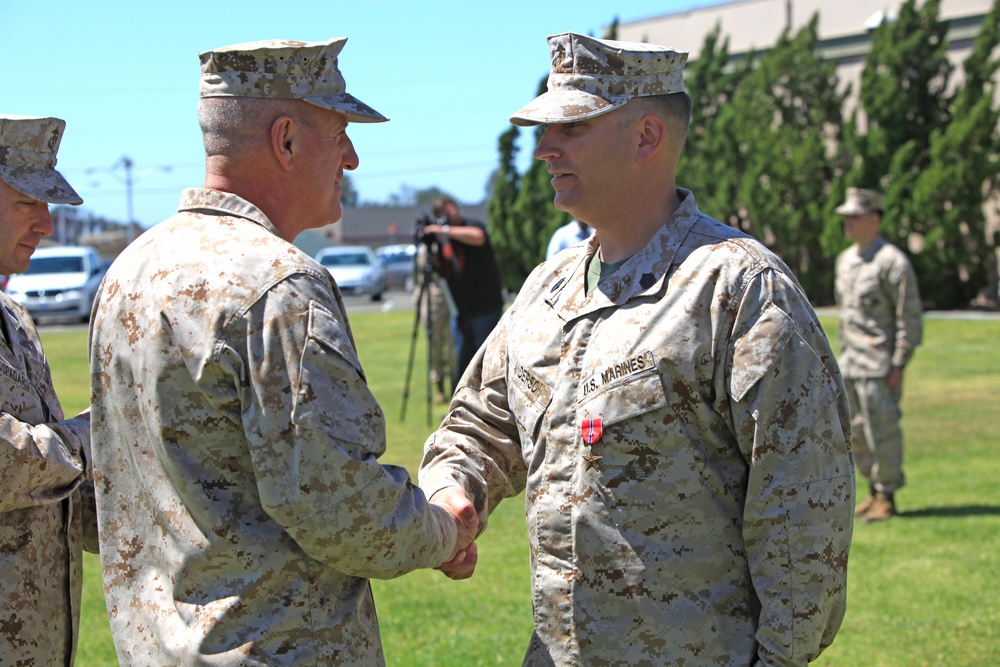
[[60, 280]]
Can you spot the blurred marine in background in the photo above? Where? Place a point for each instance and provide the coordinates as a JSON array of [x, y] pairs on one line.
[[880, 327]]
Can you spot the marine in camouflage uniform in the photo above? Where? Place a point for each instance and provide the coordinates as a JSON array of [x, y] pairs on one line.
[[680, 428], [243, 507], [43, 457], [880, 327]]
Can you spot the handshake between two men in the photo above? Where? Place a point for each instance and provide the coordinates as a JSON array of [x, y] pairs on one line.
[[463, 560]]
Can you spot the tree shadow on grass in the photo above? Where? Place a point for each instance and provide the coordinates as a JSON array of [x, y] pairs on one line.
[[957, 511]]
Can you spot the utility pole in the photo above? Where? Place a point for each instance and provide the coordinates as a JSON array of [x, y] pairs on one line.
[[126, 162]]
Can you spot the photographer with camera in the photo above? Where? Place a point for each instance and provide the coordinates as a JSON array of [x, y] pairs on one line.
[[464, 257]]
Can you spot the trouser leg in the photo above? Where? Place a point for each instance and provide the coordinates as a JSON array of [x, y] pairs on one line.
[[879, 406], [860, 446]]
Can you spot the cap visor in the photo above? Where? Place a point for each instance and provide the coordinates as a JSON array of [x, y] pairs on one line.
[[345, 103], [849, 209], [563, 106], [46, 185]]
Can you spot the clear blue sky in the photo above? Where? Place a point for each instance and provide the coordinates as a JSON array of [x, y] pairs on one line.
[[124, 75]]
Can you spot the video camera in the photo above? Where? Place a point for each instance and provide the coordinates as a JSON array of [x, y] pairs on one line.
[[420, 233]]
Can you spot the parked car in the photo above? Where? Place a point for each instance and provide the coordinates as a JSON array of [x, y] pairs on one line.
[[61, 280], [397, 261], [355, 268]]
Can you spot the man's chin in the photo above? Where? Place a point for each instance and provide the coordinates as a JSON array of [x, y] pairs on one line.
[[563, 202], [338, 215]]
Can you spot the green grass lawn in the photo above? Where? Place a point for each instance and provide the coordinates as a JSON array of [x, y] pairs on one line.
[[923, 588]]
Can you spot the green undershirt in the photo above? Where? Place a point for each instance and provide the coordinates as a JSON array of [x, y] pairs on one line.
[[598, 271]]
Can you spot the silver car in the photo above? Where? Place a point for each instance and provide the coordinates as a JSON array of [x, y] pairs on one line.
[[397, 261], [355, 269], [60, 280]]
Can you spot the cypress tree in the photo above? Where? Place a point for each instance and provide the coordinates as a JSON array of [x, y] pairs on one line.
[[522, 217], [963, 170], [506, 183], [904, 96], [713, 163], [793, 97]]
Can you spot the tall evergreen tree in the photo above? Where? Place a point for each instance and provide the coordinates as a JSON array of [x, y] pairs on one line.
[[611, 32], [522, 221], [537, 213], [713, 163], [348, 191], [904, 95], [522, 216], [963, 171], [505, 187], [789, 169]]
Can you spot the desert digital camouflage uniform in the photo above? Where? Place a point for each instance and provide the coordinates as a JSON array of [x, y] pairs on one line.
[[46, 504], [710, 520], [242, 506], [592, 77], [880, 327], [41, 538], [284, 69]]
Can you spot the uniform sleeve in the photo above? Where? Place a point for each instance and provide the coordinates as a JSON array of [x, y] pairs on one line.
[[40, 463], [477, 446], [791, 418], [909, 311], [315, 432]]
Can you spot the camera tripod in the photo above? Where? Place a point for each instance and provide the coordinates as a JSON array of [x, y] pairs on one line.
[[425, 304]]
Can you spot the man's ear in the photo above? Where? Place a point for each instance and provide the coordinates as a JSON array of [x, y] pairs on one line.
[[652, 136], [285, 135]]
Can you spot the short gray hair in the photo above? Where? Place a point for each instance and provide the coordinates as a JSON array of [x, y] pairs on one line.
[[231, 125]]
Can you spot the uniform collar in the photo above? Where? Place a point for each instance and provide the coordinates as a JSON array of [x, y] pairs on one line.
[[643, 274], [223, 203], [868, 252]]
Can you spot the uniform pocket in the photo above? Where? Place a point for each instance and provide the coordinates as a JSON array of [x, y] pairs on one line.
[[332, 394], [644, 466], [529, 398]]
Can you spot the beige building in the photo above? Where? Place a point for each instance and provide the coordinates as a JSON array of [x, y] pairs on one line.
[[845, 28], [374, 226]]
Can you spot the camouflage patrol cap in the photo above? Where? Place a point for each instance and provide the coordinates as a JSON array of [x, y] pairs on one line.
[[287, 70], [859, 202], [28, 146], [590, 77]]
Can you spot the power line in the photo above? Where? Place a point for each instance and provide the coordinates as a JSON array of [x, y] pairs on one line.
[[126, 164]]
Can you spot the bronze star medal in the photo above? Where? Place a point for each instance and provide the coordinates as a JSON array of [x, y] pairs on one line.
[[592, 430], [592, 460]]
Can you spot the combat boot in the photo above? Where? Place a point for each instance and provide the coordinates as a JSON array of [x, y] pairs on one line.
[[882, 508], [864, 507]]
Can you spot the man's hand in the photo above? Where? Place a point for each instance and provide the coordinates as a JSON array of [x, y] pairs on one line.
[[895, 378], [467, 234], [462, 562]]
